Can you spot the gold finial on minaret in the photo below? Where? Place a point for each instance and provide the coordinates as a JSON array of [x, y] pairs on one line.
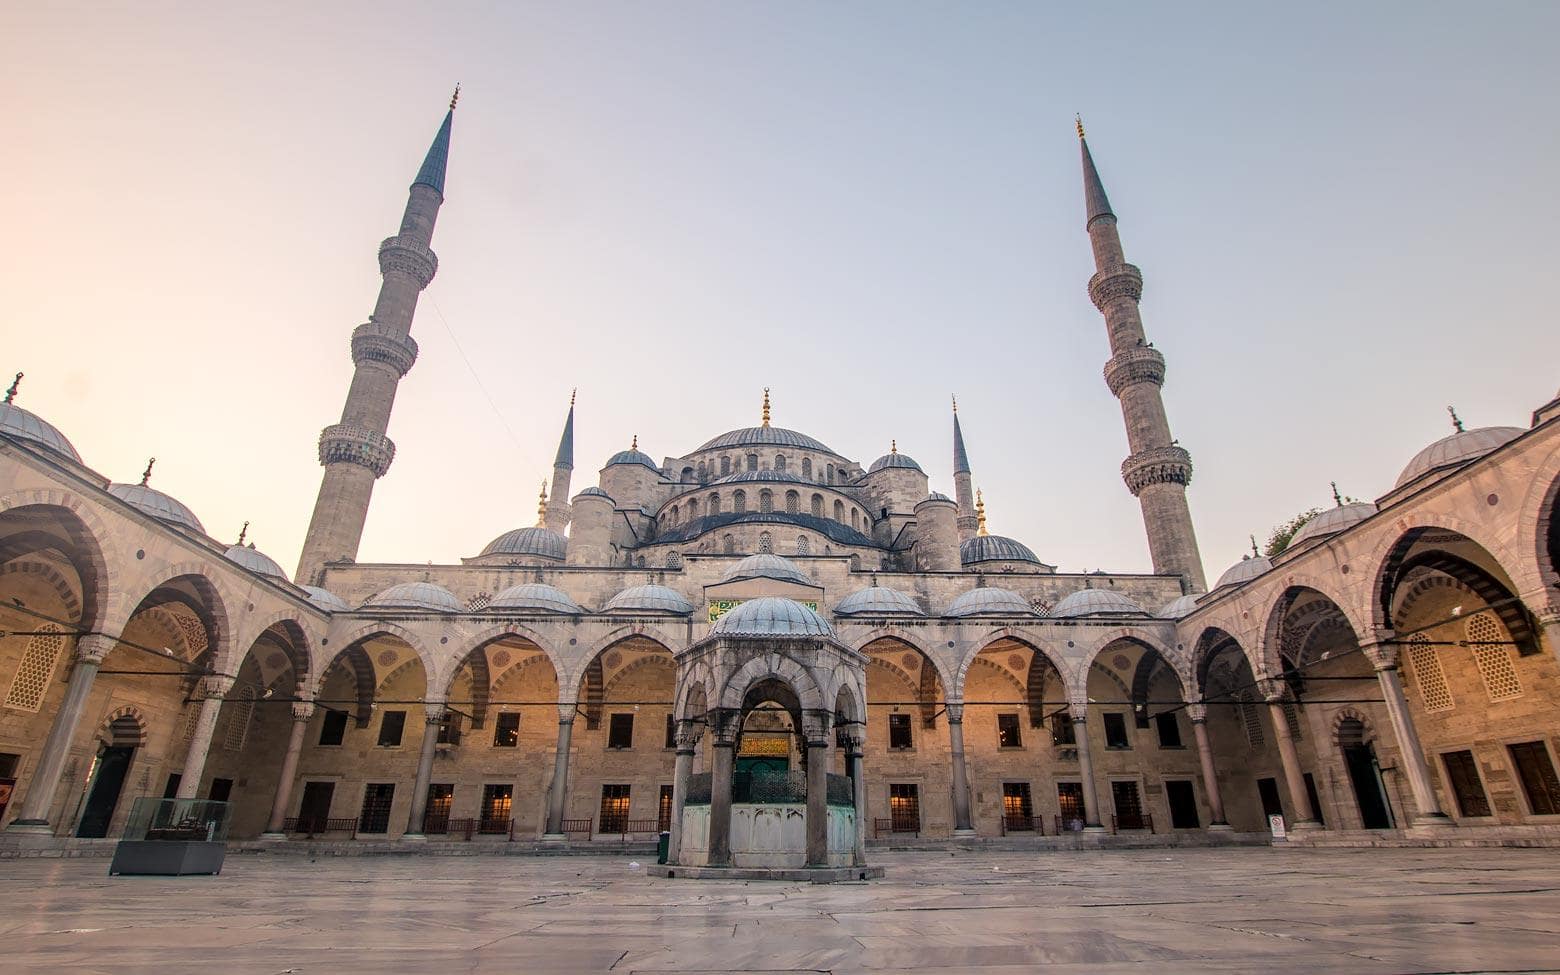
[[541, 505], [455, 97], [766, 406], [1456, 420], [10, 394], [980, 514], [1080, 125], [146, 475], [635, 444], [242, 532]]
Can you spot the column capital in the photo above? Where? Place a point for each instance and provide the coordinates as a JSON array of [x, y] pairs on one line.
[[1273, 689], [724, 725], [302, 710], [816, 726], [1381, 649], [955, 712], [567, 711], [215, 686], [1079, 712], [435, 711], [93, 647], [1197, 713], [688, 735]]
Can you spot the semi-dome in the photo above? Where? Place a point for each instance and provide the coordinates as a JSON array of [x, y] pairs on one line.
[[25, 425], [766, 567], [163, 507], [651, 599], [990, 600], [634, 455], [741, 477], [1095, 602], [1332, 521], [766, 437], [1459, 448], [1248, 568], [541, 542], [537, 597], [772, 616], [255, 561], [1180, 608], [895, 460], [416, 595], [995, 548], [326, 600], [878, 601]]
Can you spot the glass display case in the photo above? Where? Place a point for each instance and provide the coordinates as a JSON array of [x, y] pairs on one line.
[[172, 837]]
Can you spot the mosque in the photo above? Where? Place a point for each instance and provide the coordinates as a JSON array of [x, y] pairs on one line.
[[760, 619]]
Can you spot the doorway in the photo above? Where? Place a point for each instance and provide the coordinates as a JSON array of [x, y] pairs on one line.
[[108, 781], [315, 808], [1183, 804], [1359, 757], [1267, 791], [1069, 803]]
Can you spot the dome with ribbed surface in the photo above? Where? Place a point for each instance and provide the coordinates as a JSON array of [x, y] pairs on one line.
[[538, 597], [1332, 521], [878, 601], [634, 456], [1459, 448], [995, 548], [649, 599], [1246, 569], [255, 561], [416, 595], [936, 496], [541, 542], [24, 425], [766, 567], [991, 600], [772, 616], [163, 507], [895, 461], [746, 476], [1095, 602], [326, 600], [593, 492], [1178, 609], [766, 437]]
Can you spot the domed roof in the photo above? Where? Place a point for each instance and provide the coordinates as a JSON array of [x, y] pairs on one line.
[[1095, 602], [989, 599], [766, 567], [1332, 521], [634, 456], [416, 595], [654, 599], [1248, 568], [255, 561], [995, 548], [936, 496], [1179, 608], [24, 425], [161, 506], [766, 436], [1459, 448], [536, 596], [772, 616], [543, 542], [594, 492], [895, 460], [878, 601], [743, 476], [326, 600]]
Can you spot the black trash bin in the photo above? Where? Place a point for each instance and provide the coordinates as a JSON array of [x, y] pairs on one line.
[[661, 845]]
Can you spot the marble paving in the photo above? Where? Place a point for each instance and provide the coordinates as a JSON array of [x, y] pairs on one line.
[[1165, 912]]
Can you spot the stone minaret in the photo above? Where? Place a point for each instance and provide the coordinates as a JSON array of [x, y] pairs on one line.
[[356, 452], [563, 468], [963, 488], [1158, 469]]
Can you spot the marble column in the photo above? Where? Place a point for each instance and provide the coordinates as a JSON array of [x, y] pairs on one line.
[[1091, 793], [723, 762], [857, 772], [1384, 657], [213, 690], [1549, 624], [1199, 715], [302, 711], [557, 795], [433, 717], [1299, 799], [688, 733], [33, 816], [818, 802], [962, 824]]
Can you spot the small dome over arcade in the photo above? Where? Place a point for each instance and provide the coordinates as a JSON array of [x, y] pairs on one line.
[[772, 616], [255, 561], [649, 599], [150, 501], [538, 597], [989, 600], [24, 425], [326, 600], [424, 596], [1331, 522], [1095, 602], [1180, 608], [878, 601], [534, 541], [1248, 568], [894, 460], [767, 567], [1455, 450]]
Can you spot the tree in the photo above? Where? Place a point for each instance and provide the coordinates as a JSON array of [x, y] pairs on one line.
[[1280, 537]]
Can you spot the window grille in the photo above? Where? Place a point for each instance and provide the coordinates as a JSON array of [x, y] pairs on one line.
[[779, 462], [807, 467], [36, 669], [1426, 666], [803, 545], [1493, 657], [739, 502], [241, 710], [766, 543], [766, 501], [1292, 719], [817, 505], [793, 503], [1251, 722], [714, 508]]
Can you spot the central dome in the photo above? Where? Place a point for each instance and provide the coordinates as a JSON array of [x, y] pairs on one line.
[[766, 436]]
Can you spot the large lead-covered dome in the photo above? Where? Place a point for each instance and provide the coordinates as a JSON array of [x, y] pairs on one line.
[[766, 437], [995, 548], [541, 542], [24, 425], [772, 616]]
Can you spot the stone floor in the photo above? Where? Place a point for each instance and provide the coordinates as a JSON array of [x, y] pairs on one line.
[[1220, 910]]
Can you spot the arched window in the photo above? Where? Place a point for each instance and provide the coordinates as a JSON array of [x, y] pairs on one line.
[[739, 502], [728, 545], [714, 504], [855, 519], [693, 508], [725, 466], [831, 474], [641, 561], [36, 669], [704, 471], [687, 474], [803, 546], [807, 467], [766, 501], [674, 514], [839, 512], [241, 710], [793, 503], [752, 462], [766, 543], [817, 505], [779, 462]]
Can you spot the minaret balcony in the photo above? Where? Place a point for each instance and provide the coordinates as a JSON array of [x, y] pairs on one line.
[[407, 256], [343, 443], [1114, 283], [1157, 465], [1141, 364], [373, 342]]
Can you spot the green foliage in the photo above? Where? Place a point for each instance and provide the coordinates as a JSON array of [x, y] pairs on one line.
[[1279, 539]]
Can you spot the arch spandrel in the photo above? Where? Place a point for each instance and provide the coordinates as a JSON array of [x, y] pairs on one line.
[[1522, 571], [915, 641], [1064, 665], [99, 548], [470, 642], [351, 634]]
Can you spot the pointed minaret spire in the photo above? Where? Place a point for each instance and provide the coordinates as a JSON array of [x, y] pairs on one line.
[[559, 513], [146, 475], [1457, 423], [980, 514], [1158, 469], [10, 394], [963, 484], [766, 406], [355, 452]]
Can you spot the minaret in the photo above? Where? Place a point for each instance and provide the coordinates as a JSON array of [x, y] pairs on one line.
[[962, 485], [1158, 469], [563, 466], [356, 452]]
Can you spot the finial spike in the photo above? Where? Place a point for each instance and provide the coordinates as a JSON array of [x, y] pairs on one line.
[[1457, 423], [766, 406], [242, 532], [146, 475], [956, 406], [635, 444], [573, 393], [10, 394], [1337, 498], [1255, 552], [455, 97], [893, 446], [1080, 125], [980, 513]]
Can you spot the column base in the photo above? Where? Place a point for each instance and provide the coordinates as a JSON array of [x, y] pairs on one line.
[[272, 837], [1220, 828], [30, 827], [1305, 825], [964, 832], [413, 838], [1095, 829], [1433, 821], [555, 837]]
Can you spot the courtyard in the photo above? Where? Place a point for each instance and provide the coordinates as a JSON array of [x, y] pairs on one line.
[[1166, 911]]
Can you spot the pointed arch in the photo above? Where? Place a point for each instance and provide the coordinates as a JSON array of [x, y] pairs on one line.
[[1434, 550], [36, 521]]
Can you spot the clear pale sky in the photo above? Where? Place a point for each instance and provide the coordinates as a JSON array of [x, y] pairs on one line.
[[1345, 214]]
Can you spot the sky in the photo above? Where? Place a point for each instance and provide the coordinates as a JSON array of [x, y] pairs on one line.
[[1345, 216]]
